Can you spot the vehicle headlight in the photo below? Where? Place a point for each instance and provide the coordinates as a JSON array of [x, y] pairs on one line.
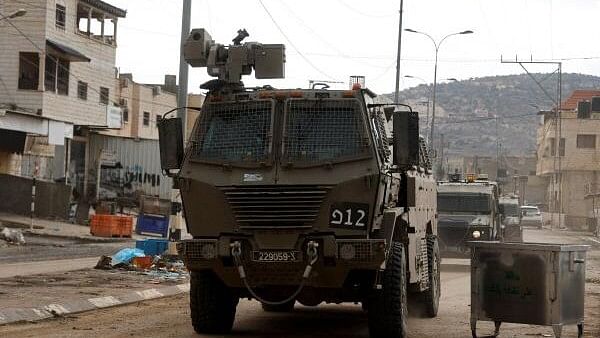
[[476, 234]]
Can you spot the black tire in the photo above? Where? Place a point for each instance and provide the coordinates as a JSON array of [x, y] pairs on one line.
[[212, 304], [285, 307], [388, 311], [431, 296]]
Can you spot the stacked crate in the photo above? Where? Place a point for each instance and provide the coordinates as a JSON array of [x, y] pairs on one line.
[[111, 226]]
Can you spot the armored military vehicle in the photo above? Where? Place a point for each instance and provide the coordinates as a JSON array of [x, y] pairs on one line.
[[300, 195], [468, 210]]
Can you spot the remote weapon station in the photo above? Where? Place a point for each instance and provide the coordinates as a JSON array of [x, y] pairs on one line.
[[300, 195]]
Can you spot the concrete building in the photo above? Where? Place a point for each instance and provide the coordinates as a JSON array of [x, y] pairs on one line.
[[569, 157], [57, 72], [124, 161]]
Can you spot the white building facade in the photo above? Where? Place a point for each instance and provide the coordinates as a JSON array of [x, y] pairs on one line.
[[57, 72]]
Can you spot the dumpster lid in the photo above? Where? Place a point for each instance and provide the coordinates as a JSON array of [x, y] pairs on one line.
[[529, 246]]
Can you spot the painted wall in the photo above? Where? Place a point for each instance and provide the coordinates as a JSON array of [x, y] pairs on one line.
[[140, 166]]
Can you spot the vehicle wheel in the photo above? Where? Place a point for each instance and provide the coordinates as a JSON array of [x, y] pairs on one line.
[[388, 307], [285, 307], [431, 296], [212, 304]]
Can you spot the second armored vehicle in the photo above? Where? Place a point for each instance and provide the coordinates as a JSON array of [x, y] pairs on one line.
[[468, 210]]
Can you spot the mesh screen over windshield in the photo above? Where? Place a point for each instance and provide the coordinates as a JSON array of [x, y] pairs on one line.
[[234, 132], [323, 130], [465, 202]]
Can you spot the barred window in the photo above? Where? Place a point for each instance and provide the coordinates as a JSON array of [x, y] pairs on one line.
[[82, 90], [61, 16], [324, 130], [234, 132]]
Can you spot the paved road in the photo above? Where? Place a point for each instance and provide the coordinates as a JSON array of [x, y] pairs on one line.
[[41, 248], [170, 317]]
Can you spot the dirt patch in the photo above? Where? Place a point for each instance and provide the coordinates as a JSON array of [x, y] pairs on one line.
[[40, 290]]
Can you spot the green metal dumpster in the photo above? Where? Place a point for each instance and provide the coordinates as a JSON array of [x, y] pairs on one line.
[[528, 283]]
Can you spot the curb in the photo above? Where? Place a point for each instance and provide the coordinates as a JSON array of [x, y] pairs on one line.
[[10, 316]]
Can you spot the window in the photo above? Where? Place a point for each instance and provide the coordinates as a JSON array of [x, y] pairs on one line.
[[56, 76], [104, 95], [586, 141], [50, 74], [158, 117], [561, 147], [324, 131], [552, 146], [29, 74], [62, 77], [146, 120], [61, 15], [125, 115], [234, 132], [82, 89]]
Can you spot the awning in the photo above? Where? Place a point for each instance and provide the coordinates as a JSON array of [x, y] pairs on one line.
[[67, 52]]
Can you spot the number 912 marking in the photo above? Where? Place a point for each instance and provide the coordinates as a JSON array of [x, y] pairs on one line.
[[349, 215]]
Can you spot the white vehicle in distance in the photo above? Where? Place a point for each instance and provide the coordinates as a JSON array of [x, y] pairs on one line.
[[531, 216]]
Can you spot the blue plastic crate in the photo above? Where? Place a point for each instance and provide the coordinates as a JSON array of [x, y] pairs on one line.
[[153, 247], [152, 225]]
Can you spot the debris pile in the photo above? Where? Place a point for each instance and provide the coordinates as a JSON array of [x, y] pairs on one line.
[[12, 236], [160, 267]]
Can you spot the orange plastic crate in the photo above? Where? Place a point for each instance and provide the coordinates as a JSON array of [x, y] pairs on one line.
[[111, 226]]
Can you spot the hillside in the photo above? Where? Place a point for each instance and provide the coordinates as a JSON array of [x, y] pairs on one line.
[[466, 109]]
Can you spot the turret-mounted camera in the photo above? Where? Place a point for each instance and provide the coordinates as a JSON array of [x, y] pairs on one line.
[[229, 63]]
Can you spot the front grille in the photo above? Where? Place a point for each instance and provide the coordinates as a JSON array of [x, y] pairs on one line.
[[275, 206], [361, 251]]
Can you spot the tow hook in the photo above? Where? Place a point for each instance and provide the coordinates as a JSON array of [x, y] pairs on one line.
[[311, 251]]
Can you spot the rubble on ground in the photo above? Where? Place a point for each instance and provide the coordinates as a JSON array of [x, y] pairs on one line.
[[12, 236], [160, 268]]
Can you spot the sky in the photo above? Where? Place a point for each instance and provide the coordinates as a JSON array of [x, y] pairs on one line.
[[333, 39]]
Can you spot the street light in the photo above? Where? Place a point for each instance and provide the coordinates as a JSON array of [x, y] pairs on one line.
[[437, 46], [15, 14]]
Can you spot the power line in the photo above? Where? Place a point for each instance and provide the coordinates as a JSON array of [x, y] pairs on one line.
[[291, 43], [482, 119], [376, 16]]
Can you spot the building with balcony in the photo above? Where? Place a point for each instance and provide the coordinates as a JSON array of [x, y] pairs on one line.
[[57, 82], [568, 154]]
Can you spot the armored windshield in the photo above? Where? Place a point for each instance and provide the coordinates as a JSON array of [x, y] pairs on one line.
[[234, 132], [511, 209], [324, 130], [464, 202]]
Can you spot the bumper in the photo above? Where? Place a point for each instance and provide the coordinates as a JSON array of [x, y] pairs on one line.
[[455, 238], [337, 258]]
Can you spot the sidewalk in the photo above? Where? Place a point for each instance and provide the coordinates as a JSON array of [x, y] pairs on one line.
[[45, 227]]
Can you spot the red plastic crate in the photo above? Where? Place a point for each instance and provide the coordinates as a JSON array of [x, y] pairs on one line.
[[111, 226]]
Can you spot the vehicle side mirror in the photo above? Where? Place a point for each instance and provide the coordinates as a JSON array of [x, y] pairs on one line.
[[406, 139], [170, 139]]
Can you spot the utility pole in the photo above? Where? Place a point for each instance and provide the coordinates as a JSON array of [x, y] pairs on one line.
[[183, 66], [176, 217], [397, 91], [556, 198]]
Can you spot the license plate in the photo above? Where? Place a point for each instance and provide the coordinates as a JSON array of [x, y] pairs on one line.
[[275, 256]]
